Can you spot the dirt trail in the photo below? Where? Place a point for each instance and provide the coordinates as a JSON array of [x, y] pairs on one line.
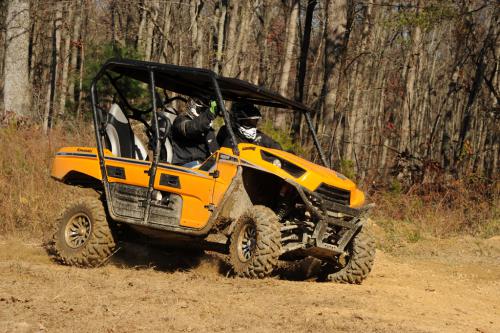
[[438, 290]]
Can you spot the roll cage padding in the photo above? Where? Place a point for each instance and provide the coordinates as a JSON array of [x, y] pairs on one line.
[[121, 139], [165, 121]]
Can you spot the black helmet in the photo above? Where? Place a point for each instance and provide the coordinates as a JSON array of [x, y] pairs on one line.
[[245, 119], [245, 114]]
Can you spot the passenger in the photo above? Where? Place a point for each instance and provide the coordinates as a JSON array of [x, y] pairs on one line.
[[245, 117], [193, 138]]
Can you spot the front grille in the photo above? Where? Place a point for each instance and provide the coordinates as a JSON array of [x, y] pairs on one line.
[[334, 194]]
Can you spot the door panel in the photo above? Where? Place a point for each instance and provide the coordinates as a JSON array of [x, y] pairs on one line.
[[128, 182], [135, 171], [194, 186], [227, 166]]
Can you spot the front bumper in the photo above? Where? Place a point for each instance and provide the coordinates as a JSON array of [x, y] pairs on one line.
[[328, 215]]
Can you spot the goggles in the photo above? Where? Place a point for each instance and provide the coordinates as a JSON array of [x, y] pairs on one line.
[[249, 122]]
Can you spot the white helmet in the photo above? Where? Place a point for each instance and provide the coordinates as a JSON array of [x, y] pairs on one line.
[[194, 106]]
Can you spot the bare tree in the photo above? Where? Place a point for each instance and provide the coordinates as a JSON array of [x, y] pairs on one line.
[[335, 29], [287, 63], [66, 57], [301, 73], [17, 92], [222, 10], [48, 118]]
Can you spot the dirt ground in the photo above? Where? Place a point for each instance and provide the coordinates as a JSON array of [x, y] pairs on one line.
[[429, 286]]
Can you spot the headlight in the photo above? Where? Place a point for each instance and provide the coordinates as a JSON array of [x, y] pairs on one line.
[[283, 164]]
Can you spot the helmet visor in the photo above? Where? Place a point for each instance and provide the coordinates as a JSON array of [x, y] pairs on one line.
[[249, 122]]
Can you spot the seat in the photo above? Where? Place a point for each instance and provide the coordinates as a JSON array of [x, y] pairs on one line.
[[165, 121], [121, 140]]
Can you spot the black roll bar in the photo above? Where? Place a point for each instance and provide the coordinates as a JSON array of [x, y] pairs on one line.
[[156, 153], [225, 115], [220, 101], [98, 129], [315, 139]]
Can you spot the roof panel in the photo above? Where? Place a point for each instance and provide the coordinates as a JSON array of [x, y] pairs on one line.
[[198, 82]]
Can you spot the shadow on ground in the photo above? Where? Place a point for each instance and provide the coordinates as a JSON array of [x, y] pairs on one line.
[[138, 256]]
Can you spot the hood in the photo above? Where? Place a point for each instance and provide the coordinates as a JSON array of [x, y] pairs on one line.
[[313, 175]]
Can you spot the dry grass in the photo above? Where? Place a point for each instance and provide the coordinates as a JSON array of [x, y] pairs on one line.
[[29, 198], [465, 207]]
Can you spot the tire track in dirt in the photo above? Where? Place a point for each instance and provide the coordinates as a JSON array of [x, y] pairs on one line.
[[410, 294]]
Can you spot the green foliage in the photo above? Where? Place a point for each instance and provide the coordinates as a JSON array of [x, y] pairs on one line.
[[414, 236], [490, 228], [282, 137], [433, 14], [396, 187], [96, 56], [347, 168]]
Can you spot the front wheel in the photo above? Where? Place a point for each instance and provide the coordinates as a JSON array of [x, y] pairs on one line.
[[255, 243], [358, 262], [83, 237]]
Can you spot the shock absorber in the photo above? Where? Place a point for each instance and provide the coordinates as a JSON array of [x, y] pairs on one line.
[[285, 202]]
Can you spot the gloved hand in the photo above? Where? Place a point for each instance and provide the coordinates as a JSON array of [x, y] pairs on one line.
[[214, 109]]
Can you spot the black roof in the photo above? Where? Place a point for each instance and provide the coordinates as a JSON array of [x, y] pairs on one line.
[[193, 81]]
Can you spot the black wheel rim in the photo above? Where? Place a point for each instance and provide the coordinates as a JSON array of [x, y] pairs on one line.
[[247, 242], [78, 230]]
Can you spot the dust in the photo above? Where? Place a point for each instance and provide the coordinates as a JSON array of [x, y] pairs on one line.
[[140, 256]]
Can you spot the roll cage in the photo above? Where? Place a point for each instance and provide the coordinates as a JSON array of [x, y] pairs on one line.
[[188, 81]]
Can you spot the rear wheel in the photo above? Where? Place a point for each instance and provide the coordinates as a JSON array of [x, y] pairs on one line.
[[255, 243], [83, 237], [355, 266]]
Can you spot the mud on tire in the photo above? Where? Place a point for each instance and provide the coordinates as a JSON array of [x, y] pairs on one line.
[[255, 243], [83, 237], [361, 255]]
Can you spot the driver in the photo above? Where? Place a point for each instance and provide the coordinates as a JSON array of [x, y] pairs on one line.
[[193, 137], [245, 117]]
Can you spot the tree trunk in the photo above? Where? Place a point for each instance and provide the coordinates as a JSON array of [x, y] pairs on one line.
[[231, 39], [265, 57], [246, 19], [287, 62], [150, 25], [220, 34], [468, 119], [301, 74], [141, 46], [408, 101], [335, 29], [17, 88], [66, 59], [242, 44], [75, 49], [356, 115], [166, 31], [290, 43], [52, 88], [196, 33], [83, 37]]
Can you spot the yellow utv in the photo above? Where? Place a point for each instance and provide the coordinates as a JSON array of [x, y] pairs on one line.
[[258, 205]]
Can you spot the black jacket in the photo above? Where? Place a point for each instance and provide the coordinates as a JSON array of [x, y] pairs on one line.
[[224, 139], [193, 139]]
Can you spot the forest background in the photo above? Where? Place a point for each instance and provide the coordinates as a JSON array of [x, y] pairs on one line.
[[406, 94]]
